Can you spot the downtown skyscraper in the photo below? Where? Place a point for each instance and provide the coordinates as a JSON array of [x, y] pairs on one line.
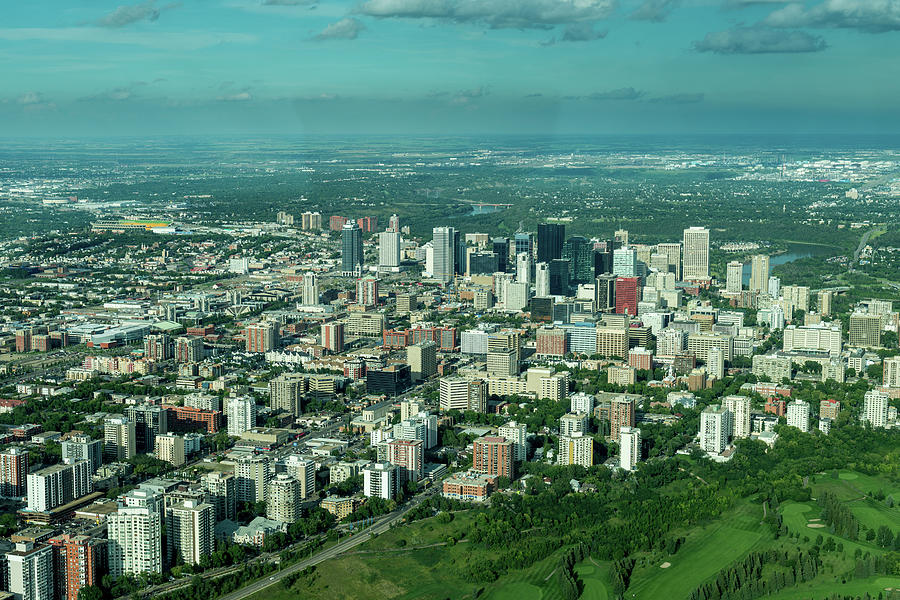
[[351, 249], [444, 239], [696, 253], [550, 239]]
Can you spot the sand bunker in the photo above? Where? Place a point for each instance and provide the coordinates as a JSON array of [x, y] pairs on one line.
[[815, 525], [665, 565]]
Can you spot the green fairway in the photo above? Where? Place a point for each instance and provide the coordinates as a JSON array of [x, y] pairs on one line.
[[519, 590], [705, 552], [797, 516], [595, 580], [848, 476], [873, 513], [817, 590]]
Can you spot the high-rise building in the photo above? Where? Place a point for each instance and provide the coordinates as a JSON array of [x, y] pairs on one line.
[[351, 250], [310, 289], [367, 291], [394, 223], [333, 336], [715, 427], [500, 247], [149, 421], [734, 277], [759, 274], [875, 408], [551, 341], [170, 449], [422, 360], [119, 439], [580, 254], [696, 253], [629, 447], [241, 415], [559, 277], [444, 253], [286, 393], [890, 376], [627, 295], [311, 220], [262, 337], [55, 486], [571, 423], [304, 471], [188, 349], [503, 362], [493, 455], [576, 449], [409, 456], [518, 435], [524, 244], [80, 447], [388, 250], [78, 561], [865, 330], [739, 407], [798, 414], [625, 262], [673, 255], [621, 414], [13, 472], [612, 341], [715, 362], [550, 238], [825, 299], [190, 531], [29, 572], [252, 475], [524, 267], [380, 480], [158, 346], [283, 501], [222, 494], [605, 293], [135, 534], [542, 280]]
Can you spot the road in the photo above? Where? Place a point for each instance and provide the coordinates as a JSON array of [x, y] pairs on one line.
[[380, 526], [859, 249]]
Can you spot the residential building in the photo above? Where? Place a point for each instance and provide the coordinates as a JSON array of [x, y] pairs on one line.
[[469, 486], [891, 372], [252, 476], [221, 492], [135, 534], [621, 414], [812, 337], [149, 421], [875, 408], [409, 456], [739, 407], [29, 572], [286, 393], [241, 415], [518, 435], [772, 366], [865, 330], [798, 414], [576, 449], [79, 561], [79, 447], [57, 485], [829, 409], [351, 249], [119, 439], [581, 403], [304, 471], [570, 423], [734, 275], [715, 427], [759, 274], [261, 337], [444, 253], [283, 500], [190, 531], [380, 480], [170, 449], [13, 472], [389, 250], [493, 455], [188, 349], [629, 447], [422, 360]]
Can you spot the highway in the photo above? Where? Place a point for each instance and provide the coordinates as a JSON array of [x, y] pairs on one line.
[[380, 526]]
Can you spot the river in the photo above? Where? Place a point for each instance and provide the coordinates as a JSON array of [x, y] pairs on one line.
[[794, 252]]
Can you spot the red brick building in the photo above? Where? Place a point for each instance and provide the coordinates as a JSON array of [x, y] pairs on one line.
[[627, 295], [493, 455]]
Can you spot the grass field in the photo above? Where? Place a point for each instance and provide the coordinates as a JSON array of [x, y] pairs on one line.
[[856, 489], [706, 551], [595, 579], [857, 587]]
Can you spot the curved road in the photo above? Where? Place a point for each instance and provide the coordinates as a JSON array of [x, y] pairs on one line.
[[380, 526]]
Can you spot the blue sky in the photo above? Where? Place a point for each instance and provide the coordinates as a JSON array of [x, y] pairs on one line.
[[91, 67]]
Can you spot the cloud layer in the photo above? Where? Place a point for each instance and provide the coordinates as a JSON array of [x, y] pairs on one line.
[[133, 13], [345, 29], [870, 16], [497, 14], [760, 40]]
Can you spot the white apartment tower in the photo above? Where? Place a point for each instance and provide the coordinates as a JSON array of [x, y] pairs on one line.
[[629, 447], [696, 253]]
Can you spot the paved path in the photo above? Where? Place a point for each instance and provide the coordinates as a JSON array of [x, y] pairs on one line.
[[380, 526]]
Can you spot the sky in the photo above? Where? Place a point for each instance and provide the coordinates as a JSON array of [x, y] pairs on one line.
[[99, 68]]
